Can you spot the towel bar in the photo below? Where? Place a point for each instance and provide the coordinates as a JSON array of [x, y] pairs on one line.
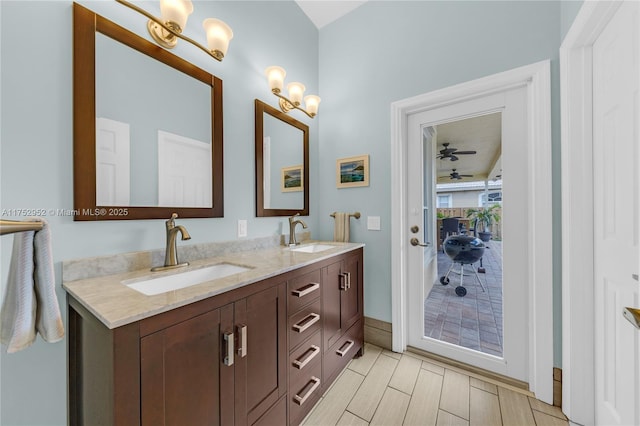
[[356, 215], [12, 226]]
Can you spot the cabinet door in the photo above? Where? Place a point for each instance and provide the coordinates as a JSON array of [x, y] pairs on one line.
[[182, 372], [351, 300], [331, 295], [260, 368]]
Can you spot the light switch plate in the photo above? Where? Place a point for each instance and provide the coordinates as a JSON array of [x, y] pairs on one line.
[[373, 223], [242, 228]]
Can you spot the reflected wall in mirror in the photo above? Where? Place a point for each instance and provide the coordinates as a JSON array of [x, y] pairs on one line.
[[147, 128], [282, 163]]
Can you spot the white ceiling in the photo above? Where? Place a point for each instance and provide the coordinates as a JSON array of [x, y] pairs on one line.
[[323, 12], [482, 134]]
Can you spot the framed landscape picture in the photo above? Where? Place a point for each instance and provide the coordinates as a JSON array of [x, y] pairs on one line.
[[352, 172], [292, 179]]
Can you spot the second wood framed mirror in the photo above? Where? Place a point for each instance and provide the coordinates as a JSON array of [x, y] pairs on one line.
[[282, 163]]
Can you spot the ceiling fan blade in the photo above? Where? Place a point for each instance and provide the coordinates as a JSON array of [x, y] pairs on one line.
[[453, 158], [465, 152], [465, 175]]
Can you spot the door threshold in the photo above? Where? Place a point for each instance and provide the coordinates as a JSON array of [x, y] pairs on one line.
[[473, 371]]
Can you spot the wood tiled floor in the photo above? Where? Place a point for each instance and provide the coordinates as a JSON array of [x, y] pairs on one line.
[[386, 388]]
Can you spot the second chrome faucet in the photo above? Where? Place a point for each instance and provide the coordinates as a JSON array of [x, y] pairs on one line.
[[292, 228], [171, 252]]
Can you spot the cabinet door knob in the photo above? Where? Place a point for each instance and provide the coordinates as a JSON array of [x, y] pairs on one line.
[[345, 283], [242, 338], [228, 339]]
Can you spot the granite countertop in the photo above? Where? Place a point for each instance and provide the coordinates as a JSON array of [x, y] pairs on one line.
[[116, 305]]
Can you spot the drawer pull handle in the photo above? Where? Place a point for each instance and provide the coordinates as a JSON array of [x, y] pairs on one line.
[[228, 338], [303, 291], [301, 399], [242, 338], [307, 322], [343, 352], [301, 364]]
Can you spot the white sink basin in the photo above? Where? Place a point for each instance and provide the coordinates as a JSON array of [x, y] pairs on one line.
[[158, 285], [313, 248]]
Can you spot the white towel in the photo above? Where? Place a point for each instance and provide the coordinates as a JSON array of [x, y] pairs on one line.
[[341, 227], [30, 303]]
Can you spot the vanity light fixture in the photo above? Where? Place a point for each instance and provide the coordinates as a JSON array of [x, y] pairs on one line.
[[167, 30], [275, 76]]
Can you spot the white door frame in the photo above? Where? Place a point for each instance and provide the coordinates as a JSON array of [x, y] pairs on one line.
[[538, 226], [576, 69]]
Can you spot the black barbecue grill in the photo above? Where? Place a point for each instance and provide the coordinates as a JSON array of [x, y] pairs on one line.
[[465, 250]]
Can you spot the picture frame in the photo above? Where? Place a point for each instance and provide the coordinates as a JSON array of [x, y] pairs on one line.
[[292, 179], [352, 172]]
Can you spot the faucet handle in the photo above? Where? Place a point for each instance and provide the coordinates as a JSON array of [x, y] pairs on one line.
[[171, 222]]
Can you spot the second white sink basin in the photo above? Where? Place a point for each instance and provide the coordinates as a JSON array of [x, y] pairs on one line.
[[158, 285], [313, 248]]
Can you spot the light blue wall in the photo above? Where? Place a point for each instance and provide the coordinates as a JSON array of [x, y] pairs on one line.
[[36, 151], [568, 11], [386, 51]]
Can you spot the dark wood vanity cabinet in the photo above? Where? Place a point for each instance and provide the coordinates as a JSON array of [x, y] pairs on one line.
[[256, 355], [222, 367], [342, 302]]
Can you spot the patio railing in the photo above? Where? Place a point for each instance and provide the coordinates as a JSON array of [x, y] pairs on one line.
[[496, 228]]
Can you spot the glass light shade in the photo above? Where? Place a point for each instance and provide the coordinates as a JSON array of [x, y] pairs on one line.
[[311, 103], [296, 90], [218, 35], [275, 76], [176, 11]]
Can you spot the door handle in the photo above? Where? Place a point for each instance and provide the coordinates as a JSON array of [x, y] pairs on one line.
[[228, 359], [242, 338], [415, 242], [633, 315]]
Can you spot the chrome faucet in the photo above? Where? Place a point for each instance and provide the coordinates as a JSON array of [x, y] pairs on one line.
[[171, 252], [292, 228]]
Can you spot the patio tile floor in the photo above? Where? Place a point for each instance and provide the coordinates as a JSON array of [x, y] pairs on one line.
[[475, 320]]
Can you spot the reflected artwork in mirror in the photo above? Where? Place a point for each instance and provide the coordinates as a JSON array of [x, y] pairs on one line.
[[282, 163], [147, 128]]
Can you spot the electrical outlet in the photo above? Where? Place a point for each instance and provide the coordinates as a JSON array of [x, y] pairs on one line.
[[242, 228]]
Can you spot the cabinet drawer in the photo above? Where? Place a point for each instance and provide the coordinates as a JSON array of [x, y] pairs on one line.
[[304, 393], [337, 357], [305, 357], [302, 290], [303, 324]]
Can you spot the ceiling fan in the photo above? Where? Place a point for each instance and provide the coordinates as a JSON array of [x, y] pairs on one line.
[[451, 153], [456, 175]]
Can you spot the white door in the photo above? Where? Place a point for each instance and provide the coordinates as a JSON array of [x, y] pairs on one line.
[[184, 171], [112, 163], [512, 104], [421, 257], [616, 147]]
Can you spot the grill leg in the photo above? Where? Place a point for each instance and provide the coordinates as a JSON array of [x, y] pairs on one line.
[[479, 281], [449, 271]]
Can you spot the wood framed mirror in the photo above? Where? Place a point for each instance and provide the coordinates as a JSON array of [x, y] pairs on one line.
[[147, 128], [282, 163]]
